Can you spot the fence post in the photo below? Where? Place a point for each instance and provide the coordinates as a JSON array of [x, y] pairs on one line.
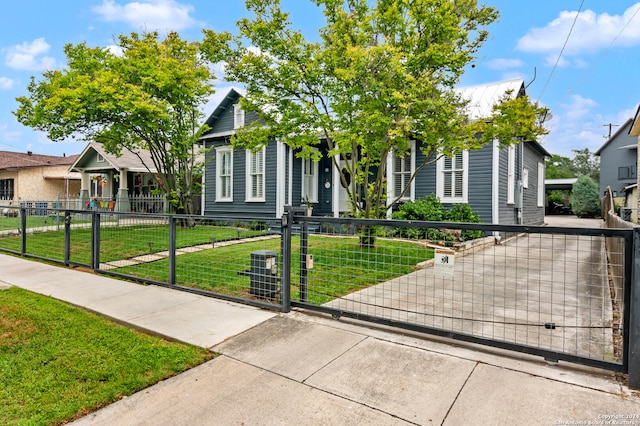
[[285, 276], [23, 230], [304, 252], [95, 240], [172, 250], [634, 314], [67, 237]]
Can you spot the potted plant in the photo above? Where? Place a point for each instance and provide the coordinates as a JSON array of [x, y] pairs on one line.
[[306, 202]]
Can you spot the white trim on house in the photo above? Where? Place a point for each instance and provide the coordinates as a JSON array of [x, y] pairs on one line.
[[540, 184], [511, 174], [440, 180], [280, 178], [290, 185], [392, 174], [255, 173], [335, 190], [309, 181], [495, 183], [222, 153]]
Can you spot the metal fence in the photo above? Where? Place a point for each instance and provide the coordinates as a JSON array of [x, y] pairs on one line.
[[546, 291]]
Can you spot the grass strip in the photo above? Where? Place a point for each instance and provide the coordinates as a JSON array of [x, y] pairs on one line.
[[58, 362]]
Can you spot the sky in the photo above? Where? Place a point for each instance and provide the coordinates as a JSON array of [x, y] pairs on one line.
[[580, 58]]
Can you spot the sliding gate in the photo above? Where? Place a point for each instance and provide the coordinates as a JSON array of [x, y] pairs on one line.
[[547, 291]]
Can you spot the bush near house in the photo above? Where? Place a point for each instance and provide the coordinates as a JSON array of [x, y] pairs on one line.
[[586, 198], [431, 209]]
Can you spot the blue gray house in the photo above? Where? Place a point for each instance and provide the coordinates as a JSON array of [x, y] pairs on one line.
[[503, 186], [618, 158]]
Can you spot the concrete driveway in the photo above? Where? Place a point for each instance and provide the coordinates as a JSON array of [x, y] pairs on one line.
[[546, 291]]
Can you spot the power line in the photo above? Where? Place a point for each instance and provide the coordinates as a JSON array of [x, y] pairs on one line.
[[599, 58], [561, 50]]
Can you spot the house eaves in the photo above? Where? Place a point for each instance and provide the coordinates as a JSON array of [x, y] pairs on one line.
[[635, 126]]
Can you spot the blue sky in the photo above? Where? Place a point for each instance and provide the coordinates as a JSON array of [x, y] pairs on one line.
[[591, 85]]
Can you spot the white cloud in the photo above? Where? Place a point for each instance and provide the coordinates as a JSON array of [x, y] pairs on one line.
[[9, 136], [30, 56], [575, 125], [6, 83], [591, 32], [504, 63], [114, 49], [148, 14], [551, 60]]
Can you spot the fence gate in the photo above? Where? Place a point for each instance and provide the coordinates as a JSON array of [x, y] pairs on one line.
[[547, 291]]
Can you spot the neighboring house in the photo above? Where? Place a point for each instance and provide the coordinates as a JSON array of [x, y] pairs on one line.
[[618, 161], [30, 179], [503, 186], [121, 183], [634, 131]]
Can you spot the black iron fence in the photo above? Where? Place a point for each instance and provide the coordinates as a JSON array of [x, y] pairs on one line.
[[547, 291]]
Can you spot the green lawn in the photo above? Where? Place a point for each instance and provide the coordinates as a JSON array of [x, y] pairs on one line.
[[341, 266], [58, 362], [15, 223], [122, 242]]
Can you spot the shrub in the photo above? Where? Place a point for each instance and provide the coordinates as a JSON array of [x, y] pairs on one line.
[[428, 208], [586, 197], [463, 213], [431, 209]]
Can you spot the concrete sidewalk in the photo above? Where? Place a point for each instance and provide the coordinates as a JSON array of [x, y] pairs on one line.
[[300, 368]]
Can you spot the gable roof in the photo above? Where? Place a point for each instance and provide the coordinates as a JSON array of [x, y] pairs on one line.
[[483, 97], [635, 127], [624, 128], [230, 98], [133, 162], [18, 160]]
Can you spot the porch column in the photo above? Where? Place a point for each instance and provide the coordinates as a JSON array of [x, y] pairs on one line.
[[123, 204], [85, 186]]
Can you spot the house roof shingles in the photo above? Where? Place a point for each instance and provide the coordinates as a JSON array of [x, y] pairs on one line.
[[17, 160]]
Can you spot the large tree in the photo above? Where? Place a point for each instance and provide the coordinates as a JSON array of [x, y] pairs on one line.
[[145, 94], [381, 74]]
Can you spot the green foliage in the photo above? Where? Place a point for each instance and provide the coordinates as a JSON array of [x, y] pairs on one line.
[[427, 208], [382, 74], [430, 209], [586, 197], [463, 213], [559, 196], [586, 163], [149, 96], [514, 119], [559, 167]]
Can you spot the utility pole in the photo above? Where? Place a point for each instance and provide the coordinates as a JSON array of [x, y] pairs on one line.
[[610, 126]]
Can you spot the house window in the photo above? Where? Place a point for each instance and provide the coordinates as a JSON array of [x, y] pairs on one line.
[[452, 176], [401, 170], [525, 178], [238, 116], [99, 158], [540, 184], [255, 175], [6, 189], [310, 180], [627, 172], [511, 174], [224, 174]]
